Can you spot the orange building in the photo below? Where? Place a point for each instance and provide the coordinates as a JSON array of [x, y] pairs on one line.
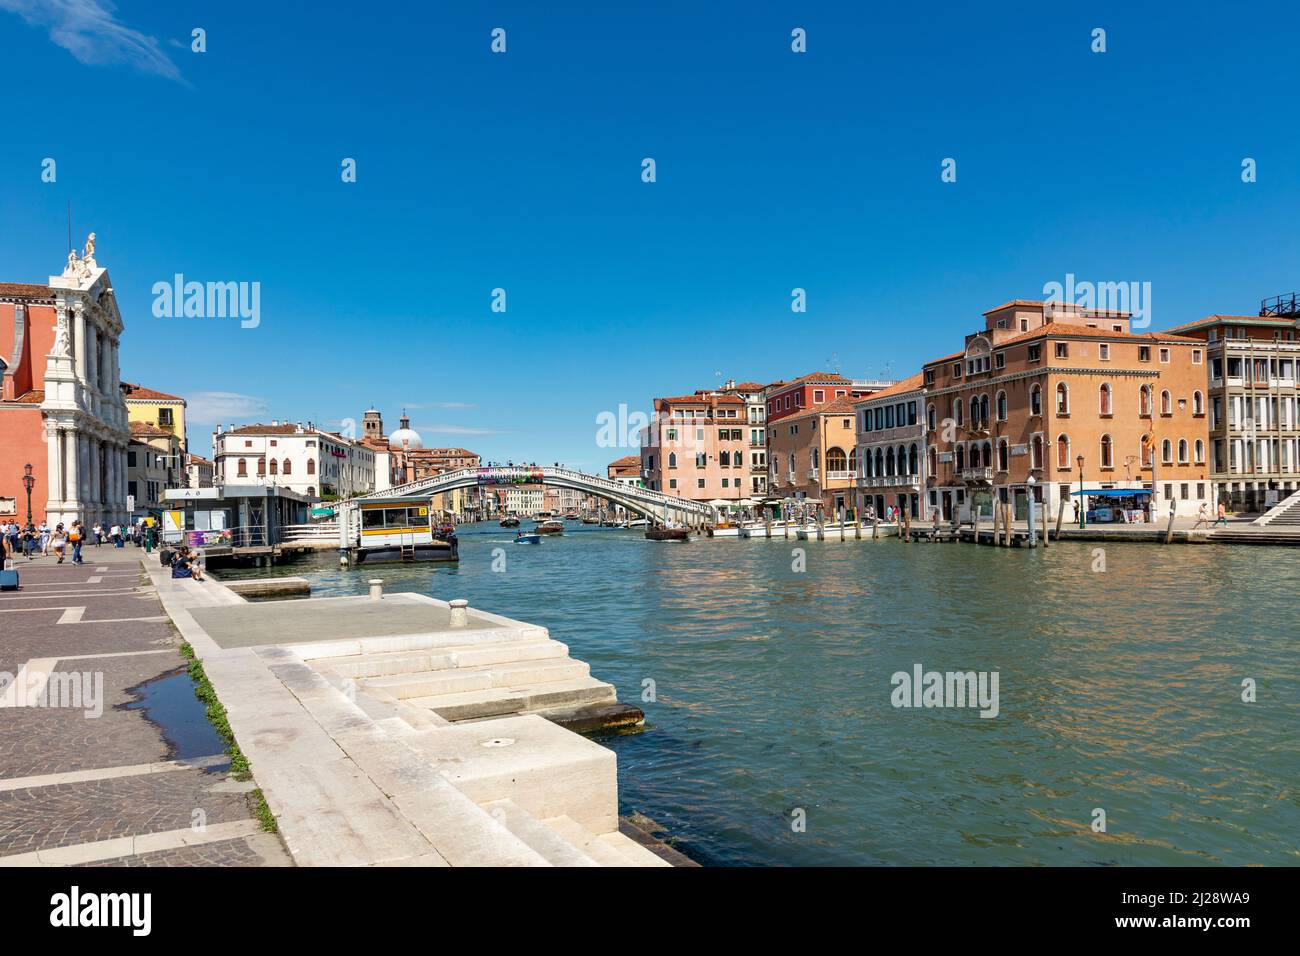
[[812, 456], [1048, 399]]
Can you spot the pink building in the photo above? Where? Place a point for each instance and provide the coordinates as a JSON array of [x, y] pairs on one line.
[[696, 447]]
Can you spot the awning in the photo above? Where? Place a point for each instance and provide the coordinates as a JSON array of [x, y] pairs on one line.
[[1114, 492]]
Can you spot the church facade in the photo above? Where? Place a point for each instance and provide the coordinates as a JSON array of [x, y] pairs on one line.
[[61, 407]]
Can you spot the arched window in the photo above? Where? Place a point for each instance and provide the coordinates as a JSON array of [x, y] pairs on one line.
[[814, 457], [880, 461], [1035, 401], [889, 462], [984, 409], [243, 469], [1144, 401], [930, 420], [1166, 403], [974, 411], [1200, 452], [1062, 399], [261, 466], [974, 456], [311, 467], [1002, 406], [1103, 398], [724, 459], [961, 457], [1003, 455], [275, 467], [311, 489], [288, 467], [672, 460], [911, 460], [1198, 403], [1107, 452], [836, 460], [1167, 452], [933, 460], [1036, 452], [792, 463], [1063, 451], [957, 407], [1182, 451]]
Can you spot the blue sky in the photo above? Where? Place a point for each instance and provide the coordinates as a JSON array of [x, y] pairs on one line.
[[522, 171]]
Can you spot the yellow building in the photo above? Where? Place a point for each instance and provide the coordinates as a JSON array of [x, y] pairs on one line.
[[147, 406]]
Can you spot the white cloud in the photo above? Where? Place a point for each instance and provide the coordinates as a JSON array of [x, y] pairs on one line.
[[222, 408], [92, 34]]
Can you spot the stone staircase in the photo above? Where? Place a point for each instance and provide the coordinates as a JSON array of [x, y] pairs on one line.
[[449, 728], [1285, 514]]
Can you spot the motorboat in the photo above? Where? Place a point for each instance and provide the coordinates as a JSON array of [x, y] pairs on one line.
[[667, 534], [549, 526], [525, 538], [510, 522]]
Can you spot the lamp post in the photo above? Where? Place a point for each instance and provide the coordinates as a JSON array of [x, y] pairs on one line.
[[28, 483], [1083, 507]]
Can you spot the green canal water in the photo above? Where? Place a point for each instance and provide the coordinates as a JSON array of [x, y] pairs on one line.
[[772, 738]]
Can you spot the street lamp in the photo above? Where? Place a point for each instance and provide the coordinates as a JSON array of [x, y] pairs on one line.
[[1083, 507], [29, 483]]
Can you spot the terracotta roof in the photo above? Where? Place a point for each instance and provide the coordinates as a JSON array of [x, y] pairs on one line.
[[627, 461], [31, 397], [1057, 305], [841, 406], [1212, 319], [947, 358], [260, 429], [830, 378], [1060, 330], [25, 290], [199, 459], [745, 387], [140, 393], [701, 400], [146, 430], [906, 385]]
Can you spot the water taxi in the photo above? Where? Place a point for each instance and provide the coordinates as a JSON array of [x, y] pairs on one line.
[[525, 538], [549, 526], [510, 522]]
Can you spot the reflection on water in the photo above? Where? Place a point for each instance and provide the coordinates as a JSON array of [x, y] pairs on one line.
[[1119, 690]]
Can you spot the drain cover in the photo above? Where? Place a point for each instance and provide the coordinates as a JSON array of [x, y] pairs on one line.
[[499, 742]]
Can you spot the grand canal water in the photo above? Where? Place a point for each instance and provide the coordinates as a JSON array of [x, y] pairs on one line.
[[1119, 689]]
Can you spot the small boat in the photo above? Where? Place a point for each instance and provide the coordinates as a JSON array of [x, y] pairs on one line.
[[667, 534], [549, 526], [510, 522], [522, 538], [572, 516], [638, 523], [591, 519]]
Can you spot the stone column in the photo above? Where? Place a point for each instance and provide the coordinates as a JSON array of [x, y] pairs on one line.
[[79, 353], [73, 466], [53, 445]]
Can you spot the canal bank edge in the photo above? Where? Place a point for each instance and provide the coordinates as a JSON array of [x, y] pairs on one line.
[[353, 779]]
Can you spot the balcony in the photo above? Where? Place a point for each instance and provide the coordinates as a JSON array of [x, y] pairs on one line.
[[977, 474], [889, 481], [848, 475], [812, 474]]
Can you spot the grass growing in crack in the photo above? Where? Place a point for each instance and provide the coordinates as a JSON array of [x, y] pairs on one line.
[[204, 691], [263, 812]]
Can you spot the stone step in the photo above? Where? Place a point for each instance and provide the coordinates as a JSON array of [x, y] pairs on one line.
[[447, 658], [497, 702], [508, 675], [421, 641], [545, 840], [607, 849]]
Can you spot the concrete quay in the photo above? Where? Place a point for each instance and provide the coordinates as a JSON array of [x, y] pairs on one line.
[[407, 731]]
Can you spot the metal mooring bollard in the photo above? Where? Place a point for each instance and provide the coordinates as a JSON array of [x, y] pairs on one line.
[[376, 588], [459, 614]]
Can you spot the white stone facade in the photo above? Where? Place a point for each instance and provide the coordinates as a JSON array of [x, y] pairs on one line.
[[85, 416]]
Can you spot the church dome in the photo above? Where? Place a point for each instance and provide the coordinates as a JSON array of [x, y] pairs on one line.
[[405, 436]]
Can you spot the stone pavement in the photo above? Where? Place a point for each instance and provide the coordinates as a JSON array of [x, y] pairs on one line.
[[85, 778]]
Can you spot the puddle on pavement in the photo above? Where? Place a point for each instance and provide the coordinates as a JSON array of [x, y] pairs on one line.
[[168, 702]]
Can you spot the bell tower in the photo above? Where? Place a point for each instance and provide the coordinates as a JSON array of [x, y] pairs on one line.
[[372, 425]]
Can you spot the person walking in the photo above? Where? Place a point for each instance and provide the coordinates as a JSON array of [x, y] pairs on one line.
[[58, 541], [1222, 514], [1202, 516], [76, 537], [44, 531], [98, 531]]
